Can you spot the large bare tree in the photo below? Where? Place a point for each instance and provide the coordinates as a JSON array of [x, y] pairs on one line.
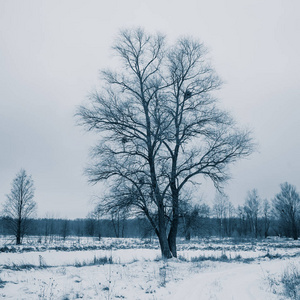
[[160, 128], [19, 205]]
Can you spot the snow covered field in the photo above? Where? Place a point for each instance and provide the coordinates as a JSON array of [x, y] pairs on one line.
[[133, 269]]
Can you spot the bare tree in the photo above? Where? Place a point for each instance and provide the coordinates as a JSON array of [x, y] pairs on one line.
[[252, 208], [90, 225], [92, 222], [189, 215], [160, 128], [220, 209], [65, 229], [19, 205], [266, 211], [49, 227], [193, 218], [287, 208], [242, 216], [96, 215], [128, 115], [230, 213]]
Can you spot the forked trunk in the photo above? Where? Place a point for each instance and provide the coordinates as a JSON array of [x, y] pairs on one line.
[[160, 231]]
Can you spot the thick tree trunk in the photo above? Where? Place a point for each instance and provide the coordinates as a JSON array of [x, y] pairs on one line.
[[172, 238], [164, 246], [162, 235], [175, 220], [160, 231]]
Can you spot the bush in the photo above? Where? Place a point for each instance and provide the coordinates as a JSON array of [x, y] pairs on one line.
[[291, 281]]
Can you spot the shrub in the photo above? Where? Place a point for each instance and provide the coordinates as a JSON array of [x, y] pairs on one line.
[[291, 281], [224, 257]]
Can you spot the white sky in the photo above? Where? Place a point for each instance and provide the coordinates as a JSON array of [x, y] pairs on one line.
[[50, 56]]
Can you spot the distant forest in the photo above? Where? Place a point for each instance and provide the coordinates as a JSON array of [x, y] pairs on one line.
[[51, 229]]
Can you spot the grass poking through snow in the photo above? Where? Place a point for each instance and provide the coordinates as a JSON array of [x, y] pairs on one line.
[[288, 283], [95, 261]]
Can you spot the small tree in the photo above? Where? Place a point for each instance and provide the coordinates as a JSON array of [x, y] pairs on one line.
[[189, 215], [266, 217], [252, 208], [231, 212], [19, 205], [49, 228], [242, 216], [287, 205], [65, 229], [221, 202], [90, 224]]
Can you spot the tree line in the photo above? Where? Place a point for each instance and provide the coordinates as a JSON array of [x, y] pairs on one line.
[[257, 218]]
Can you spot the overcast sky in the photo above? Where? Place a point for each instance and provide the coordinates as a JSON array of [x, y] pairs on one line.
[[50, 56]]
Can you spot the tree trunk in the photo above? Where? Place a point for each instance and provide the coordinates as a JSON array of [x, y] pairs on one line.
[[18, 234], [294, 230], [187, 235], [164, 246], [175, 220], [172, 238], [162, 235]]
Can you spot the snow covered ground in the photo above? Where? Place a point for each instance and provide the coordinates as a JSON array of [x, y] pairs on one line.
[[133, 269]]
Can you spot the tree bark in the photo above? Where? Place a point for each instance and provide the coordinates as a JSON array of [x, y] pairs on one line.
[[175, 221], [162, 235]]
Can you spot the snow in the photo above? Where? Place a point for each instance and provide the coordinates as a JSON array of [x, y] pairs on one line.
[[231, 281], [138, 272], [63, 258]]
